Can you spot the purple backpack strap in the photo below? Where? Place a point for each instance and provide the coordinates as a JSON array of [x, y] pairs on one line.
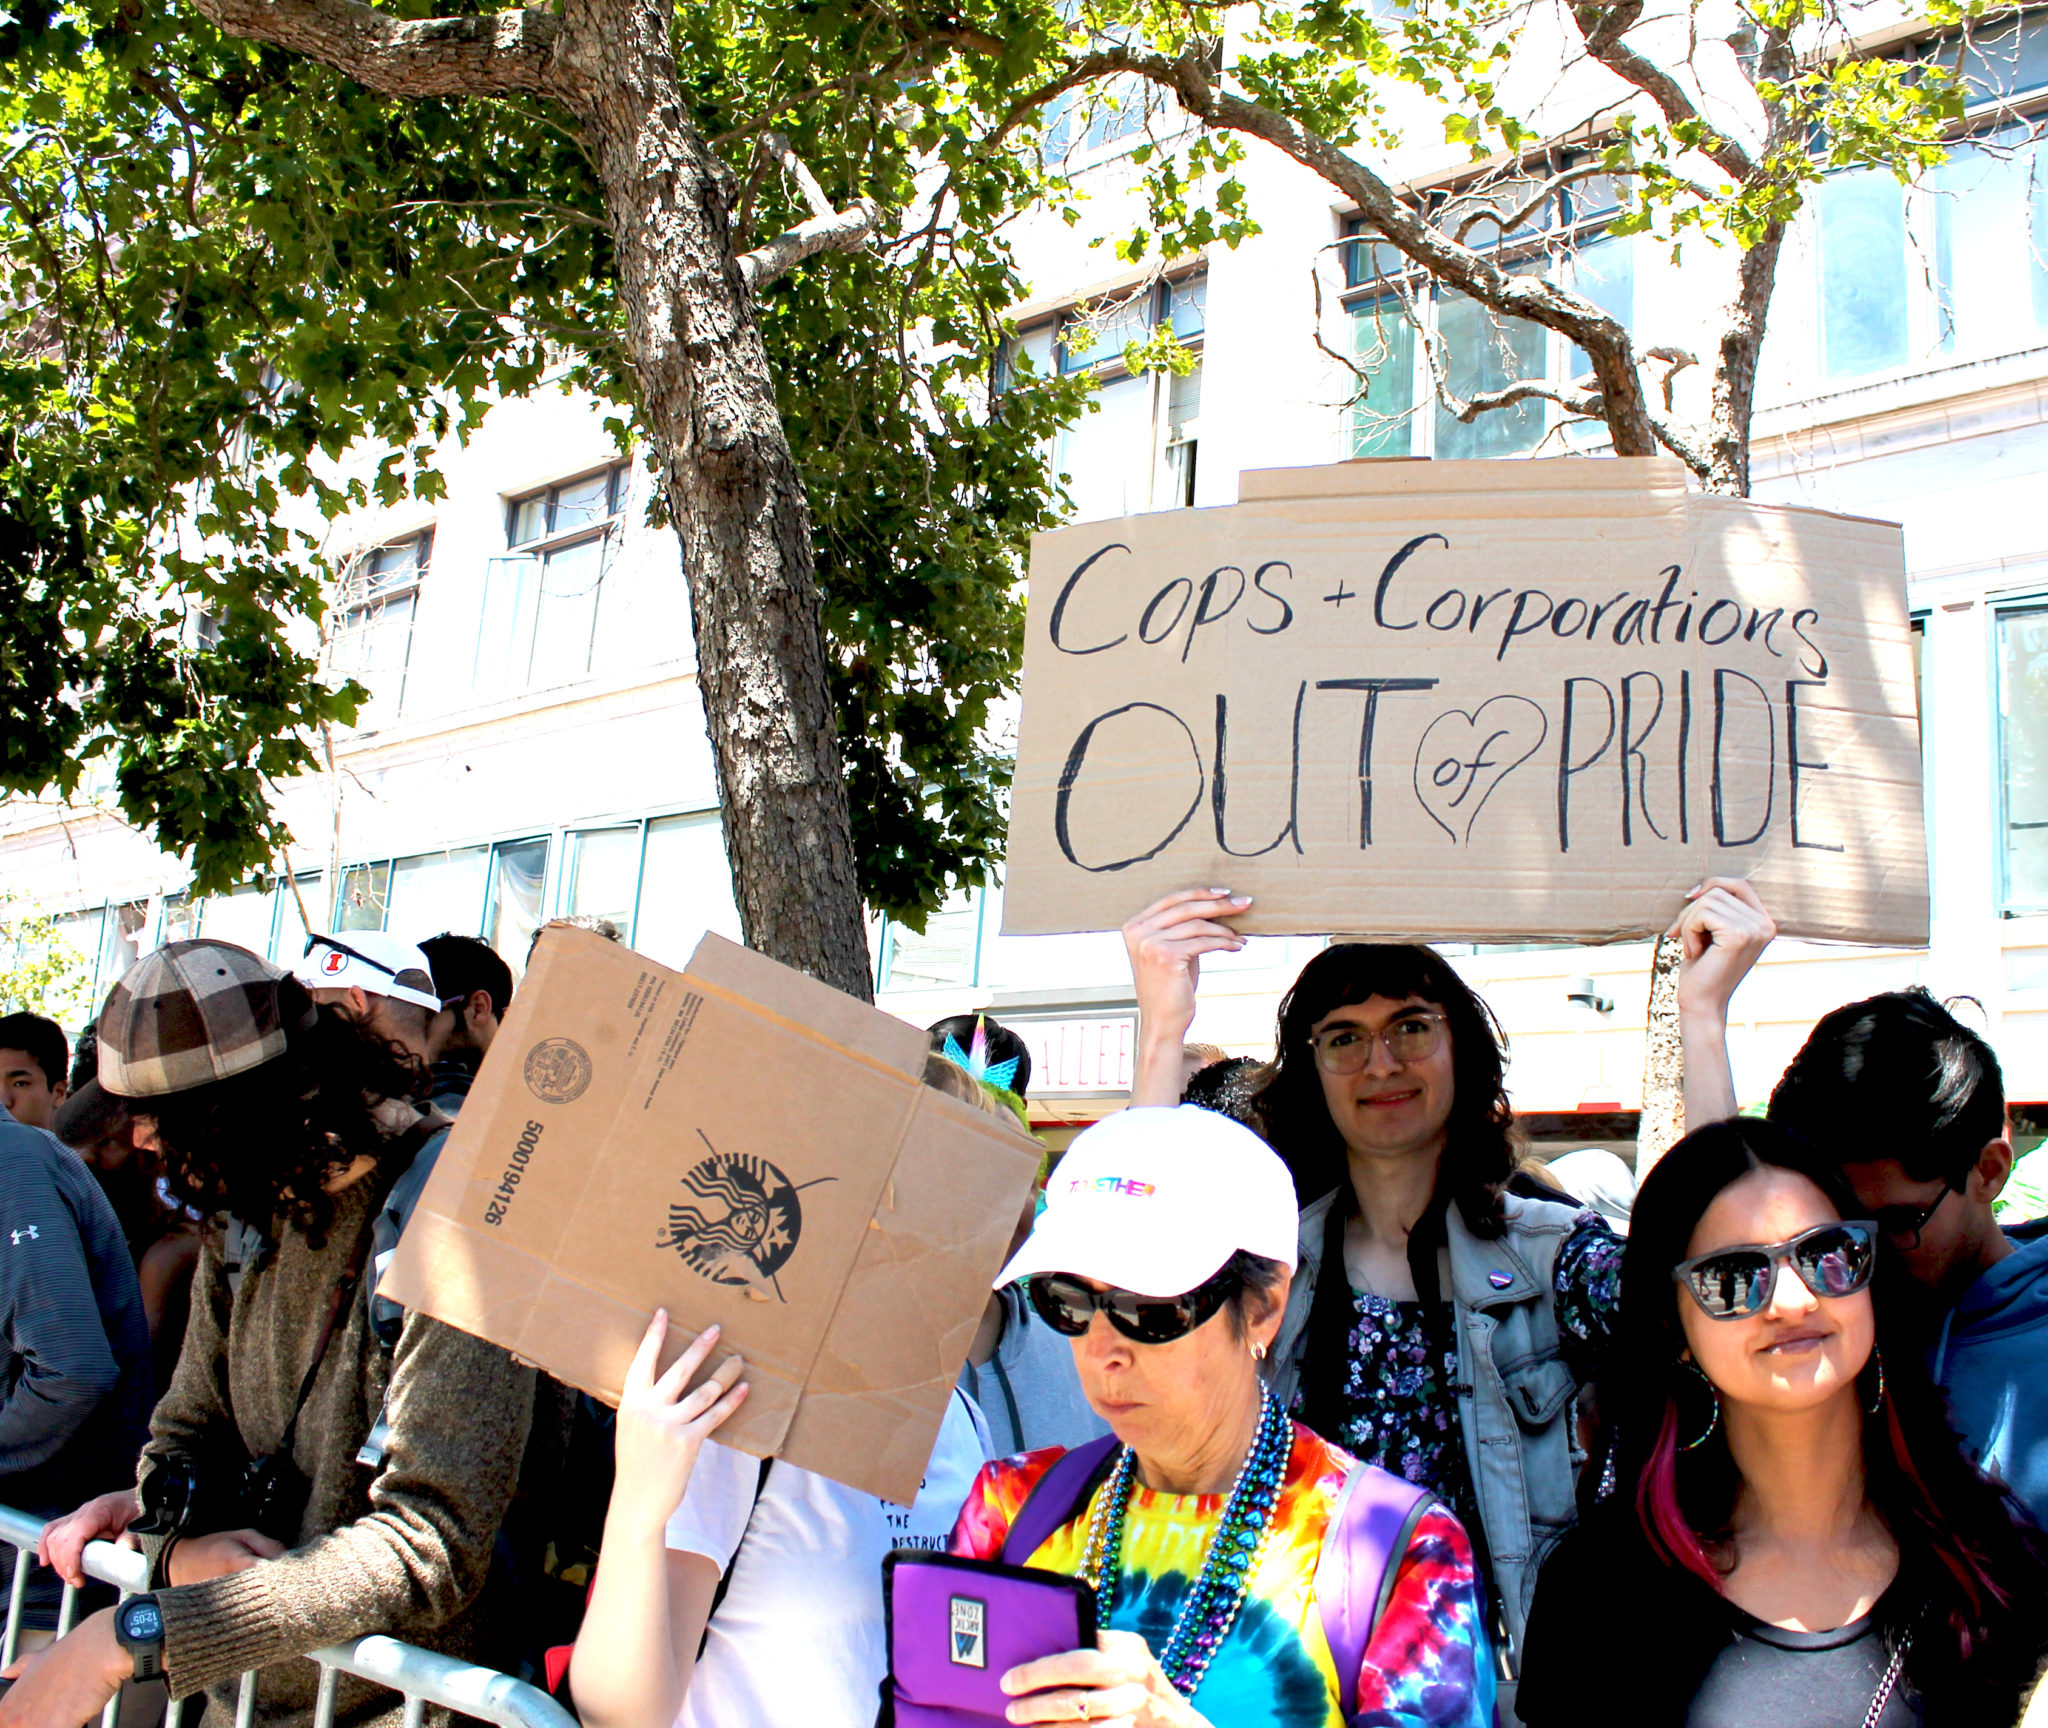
[[1376, 1515], [1059, 1494]]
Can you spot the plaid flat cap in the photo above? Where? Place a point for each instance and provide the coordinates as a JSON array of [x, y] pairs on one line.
[[187, 1015]]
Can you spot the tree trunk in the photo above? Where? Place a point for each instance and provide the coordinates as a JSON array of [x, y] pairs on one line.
[[1663, 1118], [733, 489], [1742, 340]]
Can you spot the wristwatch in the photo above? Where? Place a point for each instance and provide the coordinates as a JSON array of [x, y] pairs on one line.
[[139, 1629]]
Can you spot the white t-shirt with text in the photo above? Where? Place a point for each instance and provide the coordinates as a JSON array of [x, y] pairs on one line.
[[799, 1637]]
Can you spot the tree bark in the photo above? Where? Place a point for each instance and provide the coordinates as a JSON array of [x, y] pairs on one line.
[[734, 492], [721, 455], [1662, 1124]]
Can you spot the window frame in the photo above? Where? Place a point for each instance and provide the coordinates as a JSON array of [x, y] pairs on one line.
[[618, 484], [2022, 603], [362, 600], [1569, 223]]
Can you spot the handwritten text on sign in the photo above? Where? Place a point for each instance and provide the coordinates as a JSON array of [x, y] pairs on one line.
[[1470, 699]]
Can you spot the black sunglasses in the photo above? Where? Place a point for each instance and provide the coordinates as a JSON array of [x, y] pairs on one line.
[[1902, 1222], [1069, 1306], [1734, 1283]]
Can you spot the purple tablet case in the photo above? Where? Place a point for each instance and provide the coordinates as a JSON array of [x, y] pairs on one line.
[[957, 1626]]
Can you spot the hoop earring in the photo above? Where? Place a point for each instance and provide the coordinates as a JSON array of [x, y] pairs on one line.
[[1714, 1419], [1877, 1398]]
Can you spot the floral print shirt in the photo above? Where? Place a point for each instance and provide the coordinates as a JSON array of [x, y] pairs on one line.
[[1399, 1402], [1429, 1664]]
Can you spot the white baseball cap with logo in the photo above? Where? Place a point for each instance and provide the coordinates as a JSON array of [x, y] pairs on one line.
[[371, 961], [1155, 1200]]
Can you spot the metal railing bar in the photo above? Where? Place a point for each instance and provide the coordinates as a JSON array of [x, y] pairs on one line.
[[422, 1677], [17, 1593]]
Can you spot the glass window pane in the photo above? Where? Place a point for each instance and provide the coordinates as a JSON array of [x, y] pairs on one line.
[[565, 618], [439, 891], [519, 871], [504, 637], [243, 917], [582, 502], [288, 946], [181, 918], [2023, 739], [1187, 306], [373, 644], [685, 888], [1106, 455], [1604, 271], [1383, 341], [1990, 225], [529, 519], [1488, 353], [365, 891], [1862, 224], [121, 940], [944, 955], [1103, 333], [603, 873], [80, 933]]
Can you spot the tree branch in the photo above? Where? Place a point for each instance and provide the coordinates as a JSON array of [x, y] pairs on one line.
[[498, 52], [1603, 25], [836, 231]]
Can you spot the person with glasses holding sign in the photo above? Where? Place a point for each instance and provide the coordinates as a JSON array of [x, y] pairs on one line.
[[1788, 1532], [1439, 1325], [1244, 1570]]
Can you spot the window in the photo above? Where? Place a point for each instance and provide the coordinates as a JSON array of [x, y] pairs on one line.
[[373, 621], [364, 896], [512, 910], [539, 618], [1990, 207], [1097, 115], [1135, 450], [685, 887], [1860, 222], [2023, 756], [438, 891], [946, 954], [603, 875], [1480, 351]]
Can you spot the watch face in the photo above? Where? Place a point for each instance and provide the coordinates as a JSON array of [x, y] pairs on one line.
[[142, 1621]]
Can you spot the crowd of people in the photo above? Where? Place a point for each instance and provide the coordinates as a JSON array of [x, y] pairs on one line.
[[1341, 1407]]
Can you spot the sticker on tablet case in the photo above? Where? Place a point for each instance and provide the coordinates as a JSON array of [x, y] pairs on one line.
[[970, 1633]]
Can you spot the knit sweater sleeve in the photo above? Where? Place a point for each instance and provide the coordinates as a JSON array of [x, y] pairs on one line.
[[460, 1411]]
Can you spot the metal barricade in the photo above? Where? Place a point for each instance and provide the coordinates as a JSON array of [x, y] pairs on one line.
[[422, 1677]]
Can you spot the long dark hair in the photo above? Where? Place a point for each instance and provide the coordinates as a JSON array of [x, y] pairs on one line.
[[263, 1145], [1973, 1565], [1479, 1151]]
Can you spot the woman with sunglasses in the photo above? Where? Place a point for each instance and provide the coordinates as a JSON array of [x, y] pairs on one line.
[[1164, 1253], [1791, 1534]]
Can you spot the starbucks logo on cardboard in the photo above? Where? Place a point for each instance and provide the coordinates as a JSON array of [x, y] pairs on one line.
[[742, 1220], [557, 1070]]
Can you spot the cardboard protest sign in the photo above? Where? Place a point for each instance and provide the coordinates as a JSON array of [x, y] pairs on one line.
[[735, 1143], [1493, 700]]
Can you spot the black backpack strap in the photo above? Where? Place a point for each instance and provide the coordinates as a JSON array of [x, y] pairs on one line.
[[732, 1565]]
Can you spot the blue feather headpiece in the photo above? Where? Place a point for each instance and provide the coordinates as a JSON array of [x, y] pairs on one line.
[[975, 1059]]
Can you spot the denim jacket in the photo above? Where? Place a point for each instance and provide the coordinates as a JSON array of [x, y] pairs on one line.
[[1515, 1393]]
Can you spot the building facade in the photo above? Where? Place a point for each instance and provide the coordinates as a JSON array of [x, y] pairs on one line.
[[535, 745]]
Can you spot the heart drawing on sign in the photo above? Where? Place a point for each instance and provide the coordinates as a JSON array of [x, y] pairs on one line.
[[1463, 757]]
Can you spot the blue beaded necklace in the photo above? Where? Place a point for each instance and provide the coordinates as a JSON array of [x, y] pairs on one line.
[[1211, 1606]]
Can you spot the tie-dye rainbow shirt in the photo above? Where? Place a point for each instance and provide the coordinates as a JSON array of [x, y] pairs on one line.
[[1429, 1661]]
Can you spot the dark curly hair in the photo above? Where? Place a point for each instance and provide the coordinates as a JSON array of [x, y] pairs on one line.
[[1479, 1147], [1968, 1554], [263, 1145]]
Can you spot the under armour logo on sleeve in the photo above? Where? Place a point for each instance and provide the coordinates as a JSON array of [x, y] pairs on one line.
[[27, 1233]]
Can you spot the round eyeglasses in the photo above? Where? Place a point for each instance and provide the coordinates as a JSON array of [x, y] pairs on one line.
[[1346, 1049]]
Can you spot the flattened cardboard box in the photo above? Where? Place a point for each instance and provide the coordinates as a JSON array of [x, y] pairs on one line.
[[736, 1143], [1491, 700]]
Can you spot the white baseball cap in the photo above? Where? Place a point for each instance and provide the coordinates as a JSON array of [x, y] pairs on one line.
[[1156, 1200], [370, 961]]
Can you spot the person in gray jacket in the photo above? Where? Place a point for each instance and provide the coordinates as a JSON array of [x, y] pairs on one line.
[[76, 1382], [1438, 1326]]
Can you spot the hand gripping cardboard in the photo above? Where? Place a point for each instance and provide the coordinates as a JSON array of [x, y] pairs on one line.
[[737, 1143]]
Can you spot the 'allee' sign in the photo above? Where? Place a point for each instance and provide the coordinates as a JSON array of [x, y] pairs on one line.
[[1479, 699]]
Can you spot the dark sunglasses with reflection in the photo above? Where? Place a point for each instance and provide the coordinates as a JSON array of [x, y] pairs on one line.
[[1068, 1306], [1734, 1283]]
